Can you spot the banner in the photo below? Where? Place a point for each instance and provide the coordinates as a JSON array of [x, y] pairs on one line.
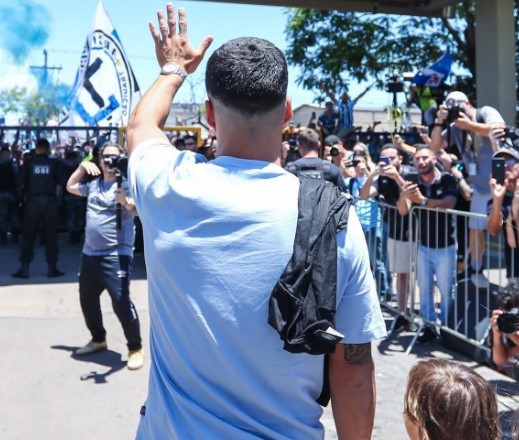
[[105, 88], [436, 74]]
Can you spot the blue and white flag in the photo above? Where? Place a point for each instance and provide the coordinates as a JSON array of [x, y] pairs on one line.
[[436, 74], [105, 88]]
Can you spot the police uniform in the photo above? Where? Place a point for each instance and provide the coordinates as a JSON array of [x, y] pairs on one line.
[[39, 179], [318, 169]]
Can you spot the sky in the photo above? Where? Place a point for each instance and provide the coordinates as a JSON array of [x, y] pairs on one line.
[[61, 28]]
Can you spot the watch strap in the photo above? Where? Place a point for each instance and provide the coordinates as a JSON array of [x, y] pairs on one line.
[[172, 68]]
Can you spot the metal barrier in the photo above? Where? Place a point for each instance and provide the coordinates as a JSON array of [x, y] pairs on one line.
[[462, 301]]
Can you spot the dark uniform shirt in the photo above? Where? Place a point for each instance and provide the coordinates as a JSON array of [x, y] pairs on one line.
[[319, 169]]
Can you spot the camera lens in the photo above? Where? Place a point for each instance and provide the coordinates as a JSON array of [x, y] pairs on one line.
[[508, 322]]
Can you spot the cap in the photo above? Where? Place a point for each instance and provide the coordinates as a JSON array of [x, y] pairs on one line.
[[507, 151], [457, 96], [331, 139]]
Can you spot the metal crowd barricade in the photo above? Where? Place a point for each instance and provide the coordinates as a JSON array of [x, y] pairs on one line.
[[466, 322]]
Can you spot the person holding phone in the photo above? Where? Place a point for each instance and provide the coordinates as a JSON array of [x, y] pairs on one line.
[[384, 183], [503, 208], [436, 244]]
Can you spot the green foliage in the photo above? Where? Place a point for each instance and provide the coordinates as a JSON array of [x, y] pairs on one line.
[[36, 106], [332, 48]]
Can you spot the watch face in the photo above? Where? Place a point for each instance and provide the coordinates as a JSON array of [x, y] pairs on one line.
[[172, 68]]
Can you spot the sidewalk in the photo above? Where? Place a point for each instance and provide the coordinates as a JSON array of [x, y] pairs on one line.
[[46, 393]]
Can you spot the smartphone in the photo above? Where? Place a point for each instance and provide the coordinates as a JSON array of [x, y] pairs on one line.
[[385, 159], [498, 169], [412, 177]]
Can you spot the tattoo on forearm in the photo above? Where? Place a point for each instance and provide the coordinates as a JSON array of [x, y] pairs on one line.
[[357, 354]]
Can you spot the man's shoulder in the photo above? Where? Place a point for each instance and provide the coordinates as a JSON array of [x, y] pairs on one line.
[[489, 114]]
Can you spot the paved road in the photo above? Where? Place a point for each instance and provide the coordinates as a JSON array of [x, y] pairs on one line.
[[45, 393]]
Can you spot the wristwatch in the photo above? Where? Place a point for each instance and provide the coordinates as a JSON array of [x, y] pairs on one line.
[[170, 68], [424, 202]]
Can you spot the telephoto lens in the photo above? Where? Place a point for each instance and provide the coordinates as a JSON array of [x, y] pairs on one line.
[[508, 322]]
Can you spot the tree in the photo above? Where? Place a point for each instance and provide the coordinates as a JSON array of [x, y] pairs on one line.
[[37, 106], [331, 48]]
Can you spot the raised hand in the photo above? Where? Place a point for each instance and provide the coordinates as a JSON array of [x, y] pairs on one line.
[[174, 47]]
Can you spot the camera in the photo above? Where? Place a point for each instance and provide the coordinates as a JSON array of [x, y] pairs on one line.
[[508, 322], [293, 144], [394, 82], [115, 163], [510, 138], [334, 150], [453, 113]]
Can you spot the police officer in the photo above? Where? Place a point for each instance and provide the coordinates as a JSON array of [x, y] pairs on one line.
[[38, 183], [311, 164], [7, 193]]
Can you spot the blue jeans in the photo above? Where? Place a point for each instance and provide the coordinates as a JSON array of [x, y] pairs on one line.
[[442, 263], [374, 242]]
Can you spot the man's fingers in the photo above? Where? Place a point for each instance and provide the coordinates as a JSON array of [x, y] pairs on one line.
[[171, 19], [182, 22], [154, 33], [204, 45], [164, 31]]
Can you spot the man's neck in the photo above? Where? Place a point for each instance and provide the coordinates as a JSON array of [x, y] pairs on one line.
[[309, 154], [428, 178]]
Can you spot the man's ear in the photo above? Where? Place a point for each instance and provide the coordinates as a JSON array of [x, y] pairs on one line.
[[289, 114], [209, 113]]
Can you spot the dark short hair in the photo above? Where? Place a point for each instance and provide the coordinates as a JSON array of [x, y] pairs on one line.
[[387, 147], [43, 143], [448, 400], [247, 74], [421, 147], [308, 139], [508, 296], [190, 136]]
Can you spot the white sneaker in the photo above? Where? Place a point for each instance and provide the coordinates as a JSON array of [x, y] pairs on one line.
[[135, 359], [91, 347]]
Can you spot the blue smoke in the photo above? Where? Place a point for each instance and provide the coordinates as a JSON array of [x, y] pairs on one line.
[[24, 27]]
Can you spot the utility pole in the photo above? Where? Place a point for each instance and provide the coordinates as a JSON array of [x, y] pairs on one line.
[[43, 78]]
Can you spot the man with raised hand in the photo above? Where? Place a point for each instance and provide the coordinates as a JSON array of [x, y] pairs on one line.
[[217, 237]]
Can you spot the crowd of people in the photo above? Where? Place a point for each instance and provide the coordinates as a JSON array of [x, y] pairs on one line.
[[218, 369]]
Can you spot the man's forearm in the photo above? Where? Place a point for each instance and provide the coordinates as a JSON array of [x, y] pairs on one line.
[[353, 391], [75, 179], [436, 138], [365, 191], [149, 117], [495, 220]]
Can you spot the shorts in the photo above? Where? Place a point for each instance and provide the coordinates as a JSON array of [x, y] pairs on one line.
[[478, 205], [398, 255]]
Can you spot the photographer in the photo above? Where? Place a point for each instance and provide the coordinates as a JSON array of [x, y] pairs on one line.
[[337, 153], [311, 164], [468, 129], [504, 338], [107, 252], [502, 207]]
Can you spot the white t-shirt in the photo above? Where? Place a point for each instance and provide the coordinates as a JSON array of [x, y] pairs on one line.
[[217, 236]]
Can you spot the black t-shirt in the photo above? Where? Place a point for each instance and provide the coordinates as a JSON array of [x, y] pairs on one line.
[[436, 228], [388, 194]]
